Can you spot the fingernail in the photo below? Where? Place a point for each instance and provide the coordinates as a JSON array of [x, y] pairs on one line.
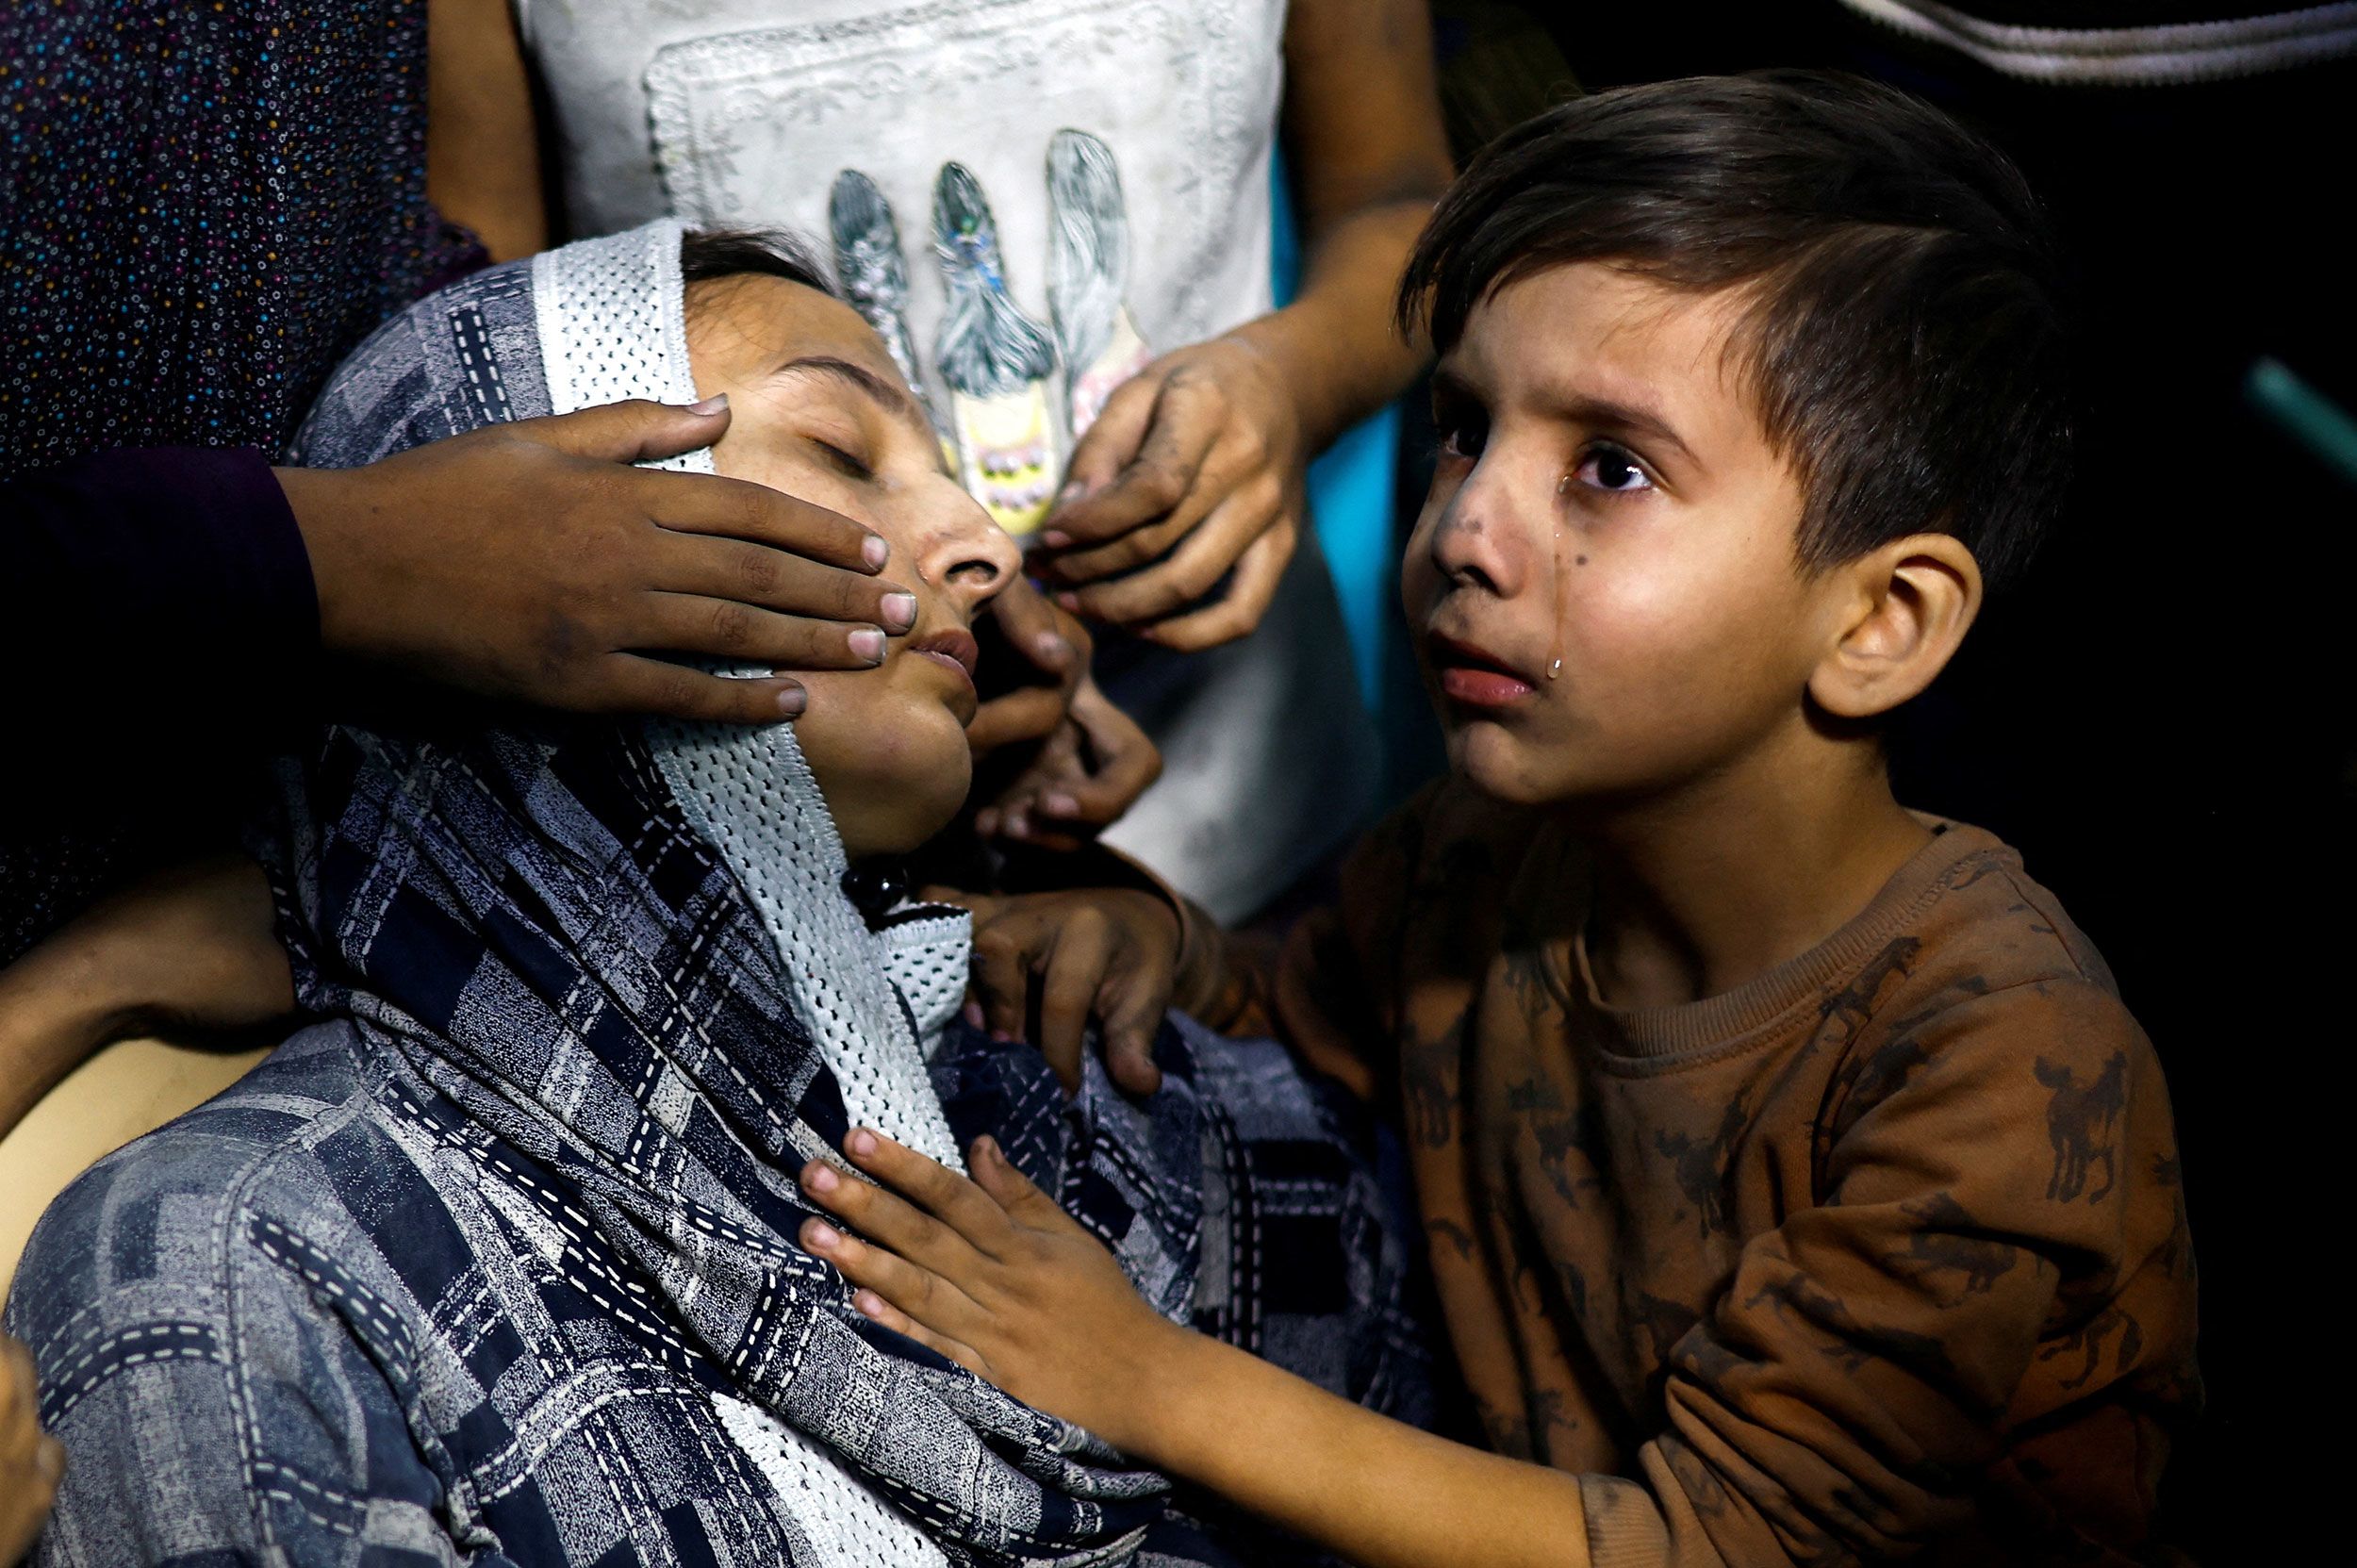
[[1018, 824], [875, 551], [986, 823], [792, 701], [1073, 491], [973, 1014], [1070, 600], [1055, 538], [900, 611], [716, 404], [821, 1179], [1002, 1037], [1060, 805], [868, 1302], [861, 1142], [820, 1236], [1051, 646], [868, 643], [986, 1150]]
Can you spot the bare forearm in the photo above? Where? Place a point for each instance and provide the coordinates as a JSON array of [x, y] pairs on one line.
[[1377, 1491], [1334, 344], [191, 950]]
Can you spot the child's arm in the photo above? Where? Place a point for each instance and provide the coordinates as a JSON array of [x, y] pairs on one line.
[[1994, 1284], [1117, 947], [1041, 1308]]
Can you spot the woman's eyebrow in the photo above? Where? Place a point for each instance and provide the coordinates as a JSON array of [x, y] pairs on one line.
[[891, 399]]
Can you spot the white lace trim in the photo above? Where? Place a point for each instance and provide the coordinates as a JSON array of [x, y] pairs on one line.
[[845, 1524], [613, 325]]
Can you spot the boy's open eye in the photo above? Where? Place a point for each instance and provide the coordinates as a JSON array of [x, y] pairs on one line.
[[1463, 431], [1613, 470]]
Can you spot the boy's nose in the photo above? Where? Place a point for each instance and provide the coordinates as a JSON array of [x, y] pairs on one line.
[[1471, 544]]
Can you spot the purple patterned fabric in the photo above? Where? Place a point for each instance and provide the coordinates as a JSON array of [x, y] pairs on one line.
[[203, 207]]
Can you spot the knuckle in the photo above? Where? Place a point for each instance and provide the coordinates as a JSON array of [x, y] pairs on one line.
[[758, 569], [732, 626], [1193, 578], [676, 690], [1159, 483]]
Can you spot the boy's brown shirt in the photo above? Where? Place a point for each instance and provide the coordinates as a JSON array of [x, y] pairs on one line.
[[1882, 1251]]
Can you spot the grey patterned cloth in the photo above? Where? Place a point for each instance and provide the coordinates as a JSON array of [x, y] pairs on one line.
[[497, 1265]]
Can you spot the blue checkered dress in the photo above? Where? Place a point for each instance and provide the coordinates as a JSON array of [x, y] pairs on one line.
[[458, 1274]]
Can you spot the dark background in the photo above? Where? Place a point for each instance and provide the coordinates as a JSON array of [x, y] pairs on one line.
[[2159, 718]]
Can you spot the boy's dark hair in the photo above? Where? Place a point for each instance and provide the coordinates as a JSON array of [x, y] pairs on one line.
[[1904, 344], [706, 256]]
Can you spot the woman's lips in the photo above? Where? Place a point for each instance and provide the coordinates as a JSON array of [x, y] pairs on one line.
[[953, 647], [1471, 674]]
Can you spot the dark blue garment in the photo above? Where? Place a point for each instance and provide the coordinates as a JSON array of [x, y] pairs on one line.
[[271, 1331], [466, 1276], [487, 1271]]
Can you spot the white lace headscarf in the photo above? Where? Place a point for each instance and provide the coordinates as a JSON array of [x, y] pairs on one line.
[[613, 324]]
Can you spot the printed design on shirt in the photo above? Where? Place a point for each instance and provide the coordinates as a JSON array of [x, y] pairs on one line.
[[1812, 1311], [1701, 1165], [2089, 1340], [1944, 1249], [869, 268], [2079, 1119], [1088, 274], [1567, 1136], [1847, 1011], [1429, 1070], [996, 362], [1663, 1322]]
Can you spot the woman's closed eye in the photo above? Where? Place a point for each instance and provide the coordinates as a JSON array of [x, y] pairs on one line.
[[844, 454]]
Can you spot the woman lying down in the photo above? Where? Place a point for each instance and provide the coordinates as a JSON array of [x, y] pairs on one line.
[[499, 1263]]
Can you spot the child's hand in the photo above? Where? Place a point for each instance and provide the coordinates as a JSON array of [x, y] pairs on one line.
[[1079, 781], [993, 1275], [1110, 954]]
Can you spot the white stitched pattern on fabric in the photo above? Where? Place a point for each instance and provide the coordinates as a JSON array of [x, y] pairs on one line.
[[612, 322], [929, 958], [848, 1526]]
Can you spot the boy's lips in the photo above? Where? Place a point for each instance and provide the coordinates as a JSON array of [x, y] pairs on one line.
[[1471, 674]]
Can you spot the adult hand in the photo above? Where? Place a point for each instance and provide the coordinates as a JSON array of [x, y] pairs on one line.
[[991, 1274], [1107, 955], [1196, 468], [530, 561], [31, 1462]]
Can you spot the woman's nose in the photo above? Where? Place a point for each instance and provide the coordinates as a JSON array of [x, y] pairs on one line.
[[971, 556]]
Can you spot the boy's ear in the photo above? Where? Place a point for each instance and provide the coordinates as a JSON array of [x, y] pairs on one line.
[[1905, 609]]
